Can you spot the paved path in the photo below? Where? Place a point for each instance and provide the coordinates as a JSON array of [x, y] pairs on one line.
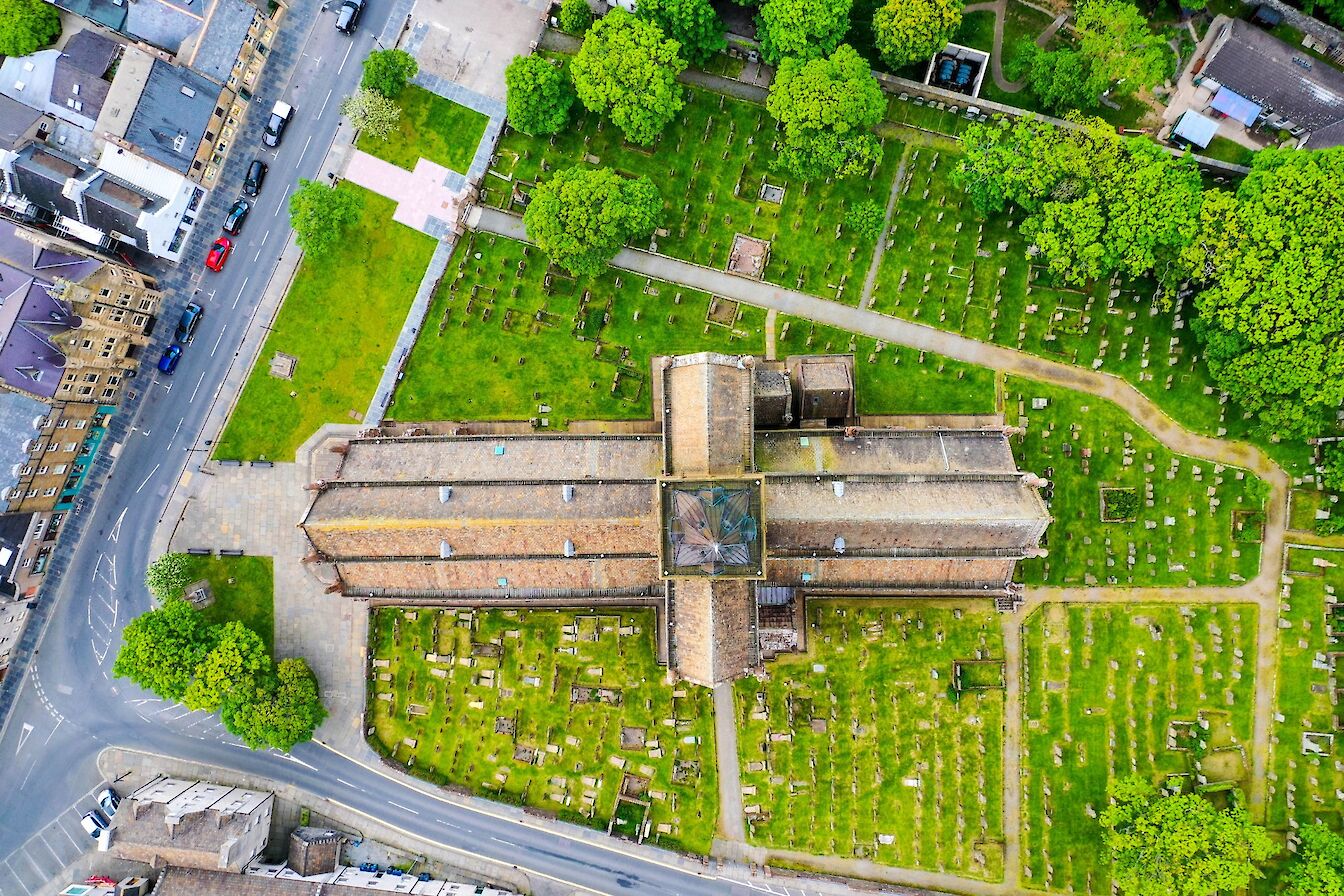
[[732, 824], [424, 200], [1000, 10], [870, 281]]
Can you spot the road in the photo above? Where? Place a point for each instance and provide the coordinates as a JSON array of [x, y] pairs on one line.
[[69, 707]]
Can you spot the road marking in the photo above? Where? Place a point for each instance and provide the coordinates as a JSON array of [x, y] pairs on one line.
[[23, 736], [116, 528], [304, 151], [345, 782], [324, 106], [15, 874], [505, 842], [449, 824], [347, 57], [403, 808], [194, 391], [239, 294], [147, 478], [220, 339]]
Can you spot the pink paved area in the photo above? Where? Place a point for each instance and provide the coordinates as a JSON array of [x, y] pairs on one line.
[[419, 194]]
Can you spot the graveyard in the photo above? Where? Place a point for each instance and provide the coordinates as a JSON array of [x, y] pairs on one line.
[[712, 167], [565, 712], [884, 740]]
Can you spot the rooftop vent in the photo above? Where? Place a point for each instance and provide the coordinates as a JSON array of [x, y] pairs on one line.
[[187, 91], [445, 550], [75, 90], [839, 544], [839, 487], [568, 492], [19, 85], [445, 492], [569, 548], [179, 141]]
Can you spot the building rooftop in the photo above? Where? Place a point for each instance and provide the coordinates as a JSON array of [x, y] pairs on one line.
[[78, 81], [16, 120], [13, 529], [172, 115], [500, 459], [225, 31], [30, 320], [708, 415], [1285, 80], [884, 450], [18, 414]]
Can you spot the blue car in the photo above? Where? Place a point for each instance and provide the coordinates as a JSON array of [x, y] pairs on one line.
[[171, 355]]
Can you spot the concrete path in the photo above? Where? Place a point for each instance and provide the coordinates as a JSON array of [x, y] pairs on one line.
[[870, 281], [1000, 10], [732, 824], [424, 203]]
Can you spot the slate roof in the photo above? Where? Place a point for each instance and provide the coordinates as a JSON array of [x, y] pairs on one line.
[[17, 414], [15, 120], [41, 261], [30, 318], [168, 124], [1279, 77], [1326, 137], [218, 48], [13, 528], [111, 207], [40, 177], [78, 76]]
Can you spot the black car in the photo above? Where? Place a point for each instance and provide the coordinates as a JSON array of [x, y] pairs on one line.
[[281, 113], [256, 176], [186, 326], [237, 215], [349, 14]]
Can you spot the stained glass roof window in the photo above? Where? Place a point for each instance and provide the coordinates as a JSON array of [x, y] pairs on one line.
[[712, 529]]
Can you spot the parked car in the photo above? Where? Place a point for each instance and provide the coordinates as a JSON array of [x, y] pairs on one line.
[[281, 113], [94, 824], [256, 176], [171, 355], [237, 215], [348, 16], [219, 253], [187, 324], [109, 800]]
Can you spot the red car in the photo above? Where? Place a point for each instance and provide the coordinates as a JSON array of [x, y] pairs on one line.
[[219, 253]]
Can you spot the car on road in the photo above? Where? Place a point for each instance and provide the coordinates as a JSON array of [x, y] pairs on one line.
[[171, 355], [109, 800], [187, 324], [219, 253], [237, 215], [348, 16], [281, 113], [94, 824], [256, 176]]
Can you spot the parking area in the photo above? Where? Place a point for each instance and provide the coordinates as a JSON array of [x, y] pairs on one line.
[[453, 40], [45, 856]]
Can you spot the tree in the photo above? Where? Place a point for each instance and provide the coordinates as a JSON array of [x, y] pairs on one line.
[[168, 576], [539, 95], [230, 670], [1060, 79], [1122, 53], [627, 70], [27, 26], [581, 217], [576, 16], [1332, 467], [802, 28], [372, 113], [1318, 869], [318, 213], [388, 72], [692, 23], [1179, 845], [865, 219], [909, 30], [283, 710], [827, 108], [1270, 261], [161, 649]]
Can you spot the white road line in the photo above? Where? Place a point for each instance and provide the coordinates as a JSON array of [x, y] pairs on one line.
[[116, 527], [239, 294], [257, 257], [304, 151], [324, 106], [505, 842], [403, 808], [72, 837], [345, 782], [347, 57], [14, 874], [198, 386], [147, 478], [219, 340], [449, 824]]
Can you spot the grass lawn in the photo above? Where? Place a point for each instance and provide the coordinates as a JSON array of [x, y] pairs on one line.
[[951, 269], [244, 589], [511, 708], [433, 128], [340, 319], [1176, 537], [1226, 150], [858, 748], [1103, 687], [709, 165], [589, 359]]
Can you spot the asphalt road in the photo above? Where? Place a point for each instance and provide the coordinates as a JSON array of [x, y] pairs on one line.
[[69, 707]]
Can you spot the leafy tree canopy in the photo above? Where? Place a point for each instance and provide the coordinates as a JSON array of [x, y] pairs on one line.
[[1179, 845], [828, 108], [229, 671], [802, 28], [1333, 471], [161, 649], [319, 213], [581, 217], [371, 112], [388, 72], [576, 16], [168, 576], [627, 70], [1122, 53], [27, 26], [1271, 260], [692, 23], [865, 218], [539, 95], [1318, 869], [283, 709], [1060, 79], [909, 30]]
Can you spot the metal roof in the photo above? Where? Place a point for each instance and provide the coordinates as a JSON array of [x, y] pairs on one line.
[[1195, 128], [1235, 106]]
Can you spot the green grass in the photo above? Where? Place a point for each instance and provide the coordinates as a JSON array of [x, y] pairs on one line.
[[1101, 686], [432, 128], [340, 319], [1226, 150], [1176, 538], [578, 761], [949, 268], [465, 366], [244, 589], [857, 749], [709, 165]]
